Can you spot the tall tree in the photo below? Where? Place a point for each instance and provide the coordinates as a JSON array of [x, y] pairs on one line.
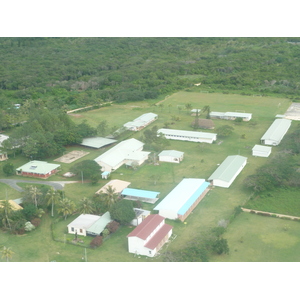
[[6, 253], [35, 193], [66, 207], [110, 196], [6, 210], [206, 109], [52, 198], [85, 206]]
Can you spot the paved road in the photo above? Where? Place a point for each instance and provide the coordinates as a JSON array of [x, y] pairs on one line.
[[58, 185]]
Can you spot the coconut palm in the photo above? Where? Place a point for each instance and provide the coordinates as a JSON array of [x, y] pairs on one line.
[[66, 207], [6, 210], [7, 253], [34, 194], [110, 196], [85, 206], [52, 198], [206, 108]]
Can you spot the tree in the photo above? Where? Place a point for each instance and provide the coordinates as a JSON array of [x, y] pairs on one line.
[[96, 242], [220, 246], [6, 210], [188, 107], [9, 169], [85, 206], [6, 253], [122, 212], [86, 168], [34, 194], [52, 198], [206, 109], [102, 128], [225, 130], [66, 207], [110, 196]]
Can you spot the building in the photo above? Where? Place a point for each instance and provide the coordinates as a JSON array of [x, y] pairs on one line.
[[141, 122], [97, 142], [186, 135], [3, 137], [229, 169], [116, 184], [3, 156], [149, 236], [230, 115], [87, 224], [38, 169], [140, 195], [125, 152], [172, 156], [262, 151], [140, 216], [181, 201], [15, 206], [195, 111], [276, 132]]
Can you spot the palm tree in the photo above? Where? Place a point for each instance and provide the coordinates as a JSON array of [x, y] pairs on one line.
[[110, 196], [34, 194], [53, 197], [66, 207], [206, 108], [188, 107], [85, 206], [7, 253], [6, 209]]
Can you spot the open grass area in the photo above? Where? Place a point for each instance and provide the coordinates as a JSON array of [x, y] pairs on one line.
[[200, 161]]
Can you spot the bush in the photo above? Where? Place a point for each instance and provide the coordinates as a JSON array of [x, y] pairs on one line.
[[112, 226], [96, 242], [36, 222]]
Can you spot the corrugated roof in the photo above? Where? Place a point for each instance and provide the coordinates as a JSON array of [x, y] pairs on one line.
[[228, 168], [173, 153], [187, 133], [84, 221], [13, 204], [140, 193], [277, 130], [231, 114], [182, 196], [144, 229], [261, 148], [158, 237], [97, 142], [38, 167], [98, 226], [141, 120]]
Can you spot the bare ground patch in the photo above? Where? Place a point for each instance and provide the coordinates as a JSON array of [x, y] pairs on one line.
[[71, 156]]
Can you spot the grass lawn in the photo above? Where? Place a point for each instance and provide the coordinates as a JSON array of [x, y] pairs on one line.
[[200, 161]]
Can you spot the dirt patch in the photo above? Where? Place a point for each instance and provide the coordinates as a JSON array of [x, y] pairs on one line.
[[293, 112], [71, 156]]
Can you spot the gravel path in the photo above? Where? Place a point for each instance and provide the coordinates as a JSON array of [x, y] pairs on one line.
[[58, 185]]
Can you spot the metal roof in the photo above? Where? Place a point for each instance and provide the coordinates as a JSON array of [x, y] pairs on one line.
[[230, 114], [141, 120], [140, 193], [38, 167], [228, 168], [118, 185], [173, 153], [183, 195], [98, 226], [97, 142], [261, 148], [277, 130], [187, 133], [84, 221]]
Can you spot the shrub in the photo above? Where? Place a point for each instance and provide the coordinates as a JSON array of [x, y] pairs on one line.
[[105, 233], [36, 222], [96, 242], [112, 226]]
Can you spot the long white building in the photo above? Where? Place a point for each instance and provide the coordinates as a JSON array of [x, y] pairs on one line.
[[186, 135]]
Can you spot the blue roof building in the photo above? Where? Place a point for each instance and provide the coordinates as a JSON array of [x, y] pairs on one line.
[[181, 201], [141, 195]]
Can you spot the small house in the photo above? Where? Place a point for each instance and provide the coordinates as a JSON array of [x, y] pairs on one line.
[[149, 236], [140, 216], [38, 169], [172, 156], [262, 151]]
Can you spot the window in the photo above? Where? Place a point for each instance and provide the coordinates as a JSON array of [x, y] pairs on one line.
[[72, 228]]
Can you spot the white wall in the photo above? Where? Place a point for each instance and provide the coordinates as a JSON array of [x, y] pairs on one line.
[[136, 246], [78, 231], [169, 159]]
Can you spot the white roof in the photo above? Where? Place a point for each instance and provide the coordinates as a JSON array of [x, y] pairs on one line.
[[141, 120], [3, 137], [97, 142], [277, 130], [178, 197], [118, 153], [84, 221], [172, 153], [187, 133], [261, 148], [231, 114]]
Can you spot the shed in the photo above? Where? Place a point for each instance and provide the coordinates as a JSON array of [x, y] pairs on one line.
[[140, 195], [226, 173], [276, 132], [140, 216], [180, 202], [172, 156], [262, 151], [97, 142], [149, 236]]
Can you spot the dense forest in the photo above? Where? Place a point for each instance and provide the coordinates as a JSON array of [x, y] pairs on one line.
[[74, 72]]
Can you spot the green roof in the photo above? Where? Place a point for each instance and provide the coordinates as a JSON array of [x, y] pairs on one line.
[[99, 225], [229, 167], [277, 130], [38, 167]]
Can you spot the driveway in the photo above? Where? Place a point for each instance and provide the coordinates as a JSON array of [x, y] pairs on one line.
[[58, 185]]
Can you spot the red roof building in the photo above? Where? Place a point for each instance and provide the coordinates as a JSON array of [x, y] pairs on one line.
[[148, 237]]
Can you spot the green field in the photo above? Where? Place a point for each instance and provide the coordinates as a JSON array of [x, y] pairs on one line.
[[200, 161]]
